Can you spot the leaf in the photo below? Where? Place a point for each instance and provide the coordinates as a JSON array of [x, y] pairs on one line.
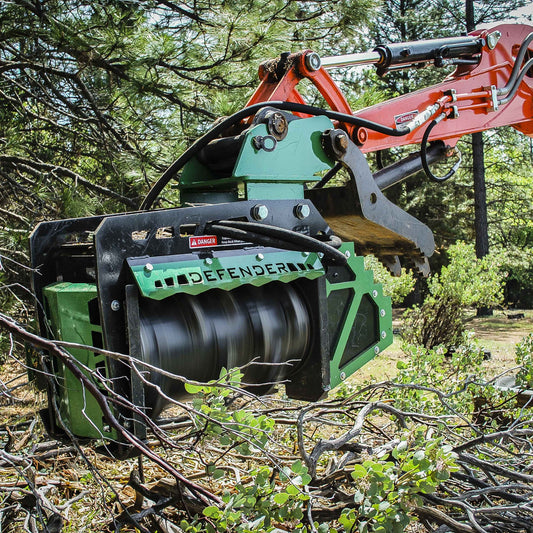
[[193, 389], [218, 473], [211, 511], [358, 472], [298, 467], [281, 498]]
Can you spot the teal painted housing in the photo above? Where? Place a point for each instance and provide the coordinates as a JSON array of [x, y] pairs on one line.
[[297, 159], [72, 315]]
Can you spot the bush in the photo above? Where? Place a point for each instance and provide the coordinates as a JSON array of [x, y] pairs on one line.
[[466, 281], [397, 287]]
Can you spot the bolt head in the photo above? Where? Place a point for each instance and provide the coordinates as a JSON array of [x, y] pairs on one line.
[[375, 293], [259, 257], [302, 211], [343, 376], [347, 254], [383, 334], [115, 305], [382, 312], [259, 212], [312, 61], [148, 267], [376, 350], [341, 141], [208, 261], [278, 124]]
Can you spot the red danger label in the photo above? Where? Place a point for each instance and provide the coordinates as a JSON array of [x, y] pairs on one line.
[[202, 242], [405, 117]]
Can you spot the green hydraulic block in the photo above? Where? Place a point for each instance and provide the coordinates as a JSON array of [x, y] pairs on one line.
[[72, 314], [288, 163]]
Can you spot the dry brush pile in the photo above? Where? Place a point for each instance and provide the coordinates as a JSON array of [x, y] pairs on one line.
[[439, 448]]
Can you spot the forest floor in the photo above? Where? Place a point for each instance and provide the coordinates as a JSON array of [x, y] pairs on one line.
[[65, 475]]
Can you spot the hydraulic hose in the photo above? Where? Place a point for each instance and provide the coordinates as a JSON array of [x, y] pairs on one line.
[[518, 81], [517, 65], [424, 157], [286, 239]]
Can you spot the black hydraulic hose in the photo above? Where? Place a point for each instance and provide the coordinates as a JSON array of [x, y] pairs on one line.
[[424, 157], [518, 63], [286, 239], [516, 85], [203, 141]]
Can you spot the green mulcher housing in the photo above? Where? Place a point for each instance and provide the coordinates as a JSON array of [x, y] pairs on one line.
[[248, 275]]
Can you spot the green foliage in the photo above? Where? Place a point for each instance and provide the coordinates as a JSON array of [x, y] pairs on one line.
[[268, 497], [524, 358], [397, 287], [466, 281], [261, 504], [238, 428], [389, 488], [432, 369]]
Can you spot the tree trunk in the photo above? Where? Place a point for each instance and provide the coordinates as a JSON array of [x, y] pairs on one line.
[[478, 170]]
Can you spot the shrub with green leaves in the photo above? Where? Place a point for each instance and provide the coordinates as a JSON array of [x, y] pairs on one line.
[[397, 287], [236, 427], [524, 358], [466, 282], [389, 488], [430, 369]]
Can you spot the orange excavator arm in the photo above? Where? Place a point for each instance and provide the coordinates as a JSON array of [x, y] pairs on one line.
[[492, 86]]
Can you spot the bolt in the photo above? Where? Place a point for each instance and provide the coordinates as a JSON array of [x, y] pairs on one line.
[[312, 61], [148, 267], [383, 334], [107, 429], [341, 141], [492, 39], [115, 305], [302, 211], [259, 257], [259, 212], [320, 255], [347, 254], [376, 350], [305, 254], [208, 261], [343, 376], [375, 293], [382, 312], [277, 125]]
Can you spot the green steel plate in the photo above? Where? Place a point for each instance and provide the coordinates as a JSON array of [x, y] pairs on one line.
[[159, 279]]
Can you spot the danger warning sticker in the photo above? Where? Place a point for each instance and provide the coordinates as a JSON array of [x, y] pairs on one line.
[[203, 241], [405, 117]]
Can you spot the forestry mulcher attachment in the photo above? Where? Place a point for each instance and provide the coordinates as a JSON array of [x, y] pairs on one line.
[[262, 266]]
